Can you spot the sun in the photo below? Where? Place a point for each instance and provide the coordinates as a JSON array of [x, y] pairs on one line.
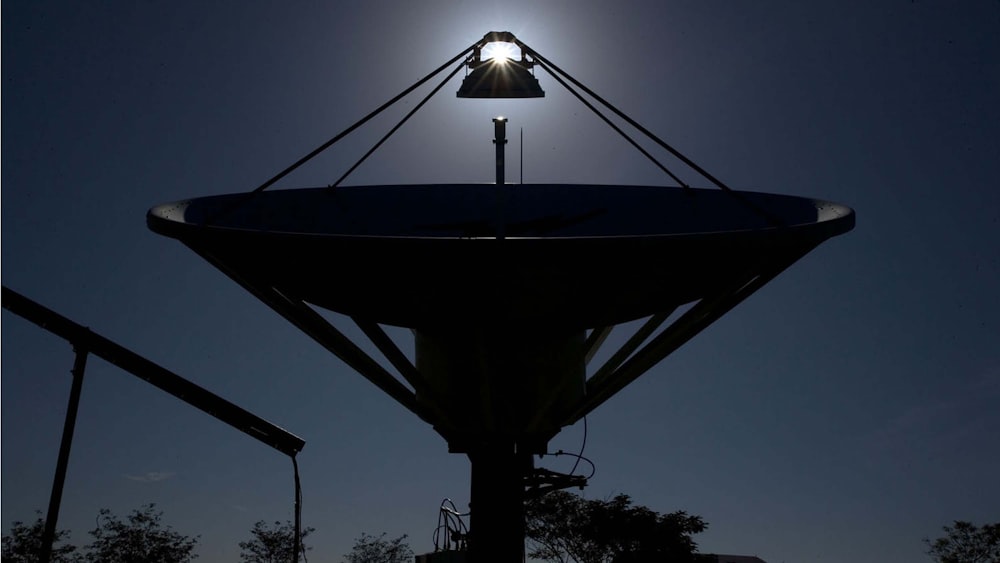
[[499, 51]]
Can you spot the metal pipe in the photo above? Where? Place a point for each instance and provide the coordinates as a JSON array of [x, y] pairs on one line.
[[500, 139], [55, 499], [521, 147], [500, 132], [150, 372]]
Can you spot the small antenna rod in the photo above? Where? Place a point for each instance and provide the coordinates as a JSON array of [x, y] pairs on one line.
[[500, 139], [521, 166]]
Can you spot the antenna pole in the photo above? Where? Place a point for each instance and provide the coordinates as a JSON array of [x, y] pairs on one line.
[[500, 131], [500, 139]]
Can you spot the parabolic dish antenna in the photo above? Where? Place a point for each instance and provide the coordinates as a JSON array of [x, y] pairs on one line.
[[509, 289]]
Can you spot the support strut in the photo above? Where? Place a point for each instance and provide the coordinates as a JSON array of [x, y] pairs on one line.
[[55, 499]]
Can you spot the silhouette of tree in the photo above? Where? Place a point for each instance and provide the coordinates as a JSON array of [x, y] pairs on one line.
[[273, 544], [140, 539], [24, 544], [372, 549], [966, 543], [562, 527]]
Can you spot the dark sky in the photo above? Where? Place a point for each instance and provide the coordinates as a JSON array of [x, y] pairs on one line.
[[843, 413]]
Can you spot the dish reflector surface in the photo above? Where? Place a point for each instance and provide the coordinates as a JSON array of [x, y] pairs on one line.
[[551, 255]]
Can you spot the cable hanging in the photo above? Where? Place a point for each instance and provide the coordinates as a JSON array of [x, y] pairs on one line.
[[593, 468], [454, 528], [583, 446]]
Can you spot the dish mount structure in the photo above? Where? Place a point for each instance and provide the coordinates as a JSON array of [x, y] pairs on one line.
[[491, 279]]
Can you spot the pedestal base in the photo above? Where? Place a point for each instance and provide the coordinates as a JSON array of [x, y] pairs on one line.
[[497, 503]]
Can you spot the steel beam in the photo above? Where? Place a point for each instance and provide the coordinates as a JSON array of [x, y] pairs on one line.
[[594, 341], [326, 335], [153, 373], [696, 319]]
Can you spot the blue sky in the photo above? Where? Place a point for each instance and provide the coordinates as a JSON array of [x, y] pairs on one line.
[[842, 413]]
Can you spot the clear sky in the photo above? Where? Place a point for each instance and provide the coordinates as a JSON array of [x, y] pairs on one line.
[[843, 413]]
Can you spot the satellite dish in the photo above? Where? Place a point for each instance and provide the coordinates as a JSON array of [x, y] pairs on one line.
[[509, 289]]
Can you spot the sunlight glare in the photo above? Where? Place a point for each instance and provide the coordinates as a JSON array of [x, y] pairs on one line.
[[499, 51]]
